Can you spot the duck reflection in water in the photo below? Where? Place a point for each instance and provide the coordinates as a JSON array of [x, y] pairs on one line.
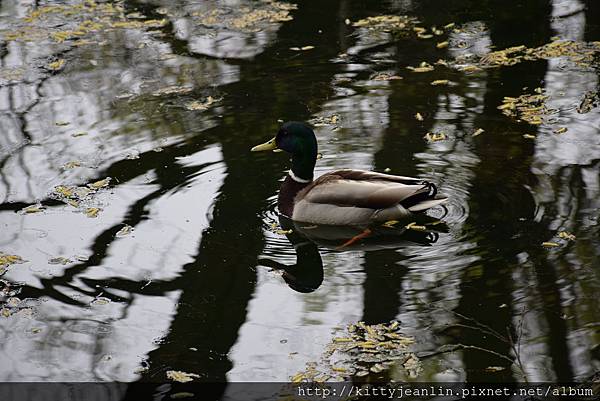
[[307, 274]]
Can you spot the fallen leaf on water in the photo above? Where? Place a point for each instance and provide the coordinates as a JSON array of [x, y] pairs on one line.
[[6, 259], [37, 208], [181, 377], [124, 231], [528, 136], [435, 137], [550, 244], [100, 184], [561, 130], [92, 212], [419, 117], [414, 226], [440, 82], [495, 368], [59, 261], [198, 105], [283, 232], [71, 165], [384, 76], [62, 123], [304, 48], [57, 65], [442, 45], [479, 131], [78, 134], [566, 235], [63, 191], [390, 223], [469, 69], [423, 67]]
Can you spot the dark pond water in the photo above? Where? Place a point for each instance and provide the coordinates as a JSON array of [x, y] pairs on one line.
[[174, 272]]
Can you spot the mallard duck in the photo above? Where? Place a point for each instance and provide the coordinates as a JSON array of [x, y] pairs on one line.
[[343, 197]]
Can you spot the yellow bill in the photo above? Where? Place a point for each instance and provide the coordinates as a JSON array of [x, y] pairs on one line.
[[270, 145]]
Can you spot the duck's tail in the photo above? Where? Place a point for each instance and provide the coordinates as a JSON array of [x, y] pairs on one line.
[[425, 198]]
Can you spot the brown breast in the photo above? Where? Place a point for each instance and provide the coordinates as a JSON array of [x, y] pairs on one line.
[[287, 193]]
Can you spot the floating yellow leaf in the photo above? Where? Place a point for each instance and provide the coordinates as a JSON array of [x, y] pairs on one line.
[[77, 134], [435, 137], [440, 82], [390, 223], [550, 244], [479, 131], [37, 208], [63, 191], [383, 76], [71, 165], [442, 45], [566, 235], [57, 65], [423, 67], [100, 184], [283, 232], [92, 212], [469, 69], [6, 259], [414, 226], [495, 368], [419, 117], [197, 105], [561, 130], [62, 123]]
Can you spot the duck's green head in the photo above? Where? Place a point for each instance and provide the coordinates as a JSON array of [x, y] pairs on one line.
[[298, 139]]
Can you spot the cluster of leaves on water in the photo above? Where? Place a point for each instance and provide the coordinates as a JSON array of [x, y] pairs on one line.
[[530, 108], [361, 350], [80, 19], [563, 236], [203, 105], [322, 121], [384, 76], [590, 100], [247, 19], [80, 196], [387, 23], [582, 54]]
